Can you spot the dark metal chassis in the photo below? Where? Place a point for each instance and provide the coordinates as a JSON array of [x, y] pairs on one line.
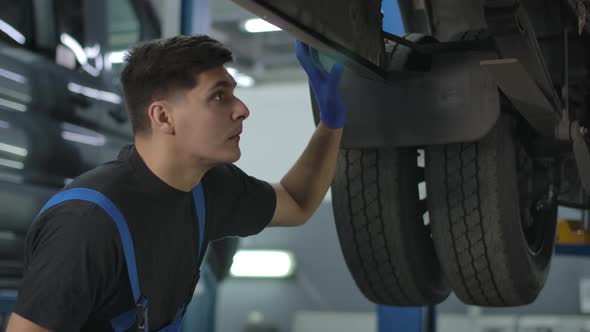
[[534, 57]]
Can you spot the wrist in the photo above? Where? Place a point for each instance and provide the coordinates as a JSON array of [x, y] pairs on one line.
[[334, 121], [328, 128]]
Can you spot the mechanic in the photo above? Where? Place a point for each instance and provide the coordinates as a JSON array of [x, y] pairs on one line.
[[119, 247]]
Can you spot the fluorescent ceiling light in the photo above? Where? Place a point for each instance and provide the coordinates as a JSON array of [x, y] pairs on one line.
[[117, 56], [232, 71], [242, 80], [256, 25], [245, 81], [73, 45], [81, 56], [82, 135], [7, 235], [11, 163], [263, 264], [12, 33], [84, 139], [107, 96], [12, 105], [92, 52], [13, 149], [13, 76]]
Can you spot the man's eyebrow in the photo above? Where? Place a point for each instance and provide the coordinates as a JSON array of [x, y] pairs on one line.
[[225, 83]]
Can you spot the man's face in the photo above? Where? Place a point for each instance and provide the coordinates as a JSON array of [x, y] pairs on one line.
[[208, 121]]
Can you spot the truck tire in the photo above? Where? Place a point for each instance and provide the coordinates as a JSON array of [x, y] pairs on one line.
[[379, 216], [385, 242], [493, 214]]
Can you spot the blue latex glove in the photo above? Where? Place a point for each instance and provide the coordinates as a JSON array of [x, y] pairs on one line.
[[324, 85]]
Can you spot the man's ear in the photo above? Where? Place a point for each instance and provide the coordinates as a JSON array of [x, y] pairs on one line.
[[160, 114]]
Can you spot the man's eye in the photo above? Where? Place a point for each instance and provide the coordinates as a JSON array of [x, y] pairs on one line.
[[218, 95]]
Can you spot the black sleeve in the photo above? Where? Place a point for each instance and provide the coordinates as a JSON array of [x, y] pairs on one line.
[[71, 260], [243, 205]]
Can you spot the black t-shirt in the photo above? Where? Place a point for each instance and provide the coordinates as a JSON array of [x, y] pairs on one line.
[[76, 277]]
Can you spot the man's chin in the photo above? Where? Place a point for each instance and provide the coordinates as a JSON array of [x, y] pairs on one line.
[[223, 159], [232, 158], [237, 156]]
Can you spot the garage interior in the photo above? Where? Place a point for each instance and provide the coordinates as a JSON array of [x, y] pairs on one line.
[[313, 289]]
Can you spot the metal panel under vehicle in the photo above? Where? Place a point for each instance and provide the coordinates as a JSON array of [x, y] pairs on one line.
[[456, 101], [348, 28]]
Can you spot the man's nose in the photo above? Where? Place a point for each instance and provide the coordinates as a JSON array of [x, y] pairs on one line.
[[241, 111]]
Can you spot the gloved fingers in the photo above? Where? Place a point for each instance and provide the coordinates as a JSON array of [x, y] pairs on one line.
[[336, 73], [315, 58], [302, 51]]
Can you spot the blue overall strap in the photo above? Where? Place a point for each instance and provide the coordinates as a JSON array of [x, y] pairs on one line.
[[175, 325], [199, 198], [126, 320]]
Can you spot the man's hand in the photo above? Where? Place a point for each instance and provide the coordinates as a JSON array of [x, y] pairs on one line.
[[303, 188], [324, 86]]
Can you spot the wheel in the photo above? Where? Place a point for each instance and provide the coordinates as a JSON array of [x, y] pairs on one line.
[[378, 212], [378, 216], [493, 215]]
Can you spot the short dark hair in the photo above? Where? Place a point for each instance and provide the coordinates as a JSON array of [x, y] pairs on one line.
[[158, 67]]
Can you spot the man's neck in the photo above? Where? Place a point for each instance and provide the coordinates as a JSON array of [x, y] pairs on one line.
[[176, 170]]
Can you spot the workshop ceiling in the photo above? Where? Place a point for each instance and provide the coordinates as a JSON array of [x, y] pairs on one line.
[[268, 57]]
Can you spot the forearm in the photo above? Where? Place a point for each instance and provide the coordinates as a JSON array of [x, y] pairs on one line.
[[303, 188], [310, 177]]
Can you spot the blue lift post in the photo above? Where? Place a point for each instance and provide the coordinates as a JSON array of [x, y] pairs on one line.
[[389, 318], [196, 17], [392, 18], [406, 319], [572, 238], [575, 250]]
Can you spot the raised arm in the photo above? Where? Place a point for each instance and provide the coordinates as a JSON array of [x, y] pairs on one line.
[[303, 188]]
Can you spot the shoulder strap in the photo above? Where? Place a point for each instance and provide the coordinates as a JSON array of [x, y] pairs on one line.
[[199, 198], [109, 207], [125, 320]]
